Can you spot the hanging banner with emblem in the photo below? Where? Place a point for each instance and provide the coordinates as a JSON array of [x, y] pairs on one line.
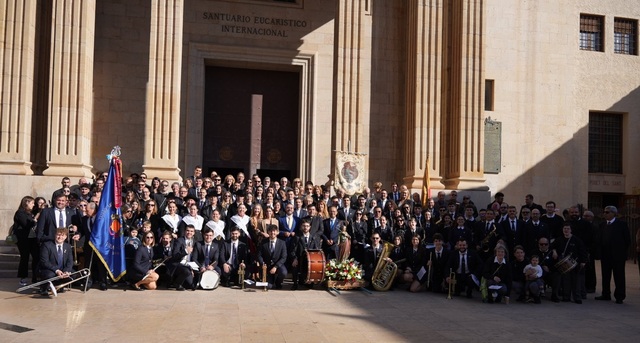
[[351, 173]]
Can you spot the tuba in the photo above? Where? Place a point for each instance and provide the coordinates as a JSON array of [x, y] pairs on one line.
[[385, 270]]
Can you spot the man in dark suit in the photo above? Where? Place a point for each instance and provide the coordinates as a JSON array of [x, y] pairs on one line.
[[612, 242], [314, 220], [273, 253], [437, 259], [372, 256], [206, 254], [298, 256], [56, 259], [52, 218], [176, 273], [332, 226], [534, 230], [513, 229], [234, 255], [300, 211], [530, 205], [467, 265], [346, 212]]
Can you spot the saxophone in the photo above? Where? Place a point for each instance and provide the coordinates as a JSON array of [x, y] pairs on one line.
[[485, 242], [385, 270]]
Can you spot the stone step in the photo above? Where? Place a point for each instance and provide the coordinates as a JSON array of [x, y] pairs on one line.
[[9, 260]]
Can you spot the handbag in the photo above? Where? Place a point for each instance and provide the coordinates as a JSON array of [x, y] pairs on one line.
[[11, 237]]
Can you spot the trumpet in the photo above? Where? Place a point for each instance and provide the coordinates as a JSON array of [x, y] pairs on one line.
[[264, 277], [241, 274], [452, 282]]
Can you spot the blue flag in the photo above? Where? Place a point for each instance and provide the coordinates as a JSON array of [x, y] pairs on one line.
[[106, 234]]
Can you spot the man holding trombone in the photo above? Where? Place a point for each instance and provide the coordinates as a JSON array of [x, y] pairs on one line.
[[56, 260]]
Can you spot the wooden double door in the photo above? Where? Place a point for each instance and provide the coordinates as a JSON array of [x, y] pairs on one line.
[[251, 121]]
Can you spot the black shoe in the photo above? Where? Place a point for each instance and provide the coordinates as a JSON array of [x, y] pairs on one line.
[[227, 284], [137, 288], [294, 287], [591, 290], [555, 299], [536, 300], [278, 286], [565, 300], [618, 301], [62, 290], [584, 297], [578, 301], [44, 292], [469, 295], [603, 297], [103, 286], [180, 288]]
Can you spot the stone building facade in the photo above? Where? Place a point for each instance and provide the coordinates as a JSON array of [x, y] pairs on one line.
[[500, 95]]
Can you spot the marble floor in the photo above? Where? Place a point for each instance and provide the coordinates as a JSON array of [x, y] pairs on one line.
[[231, 315]]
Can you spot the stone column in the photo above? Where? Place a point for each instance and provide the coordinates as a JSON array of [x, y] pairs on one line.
[[71, 88], [17, 59], [352, 63], [423, 91], [462, 150], [162, 124]]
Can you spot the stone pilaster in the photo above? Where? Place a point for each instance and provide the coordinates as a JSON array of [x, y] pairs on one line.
[[463, 139], [17, 55], [71, 88], [162, 122], [352, 63], [423, 92]]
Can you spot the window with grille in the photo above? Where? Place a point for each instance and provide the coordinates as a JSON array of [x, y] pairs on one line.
[[591, 32], [624, 36], [605, 143]]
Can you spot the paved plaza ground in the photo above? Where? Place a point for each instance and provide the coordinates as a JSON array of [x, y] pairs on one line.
[[231, 315]]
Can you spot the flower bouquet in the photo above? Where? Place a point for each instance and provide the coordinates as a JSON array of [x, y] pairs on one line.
[[345, 274]]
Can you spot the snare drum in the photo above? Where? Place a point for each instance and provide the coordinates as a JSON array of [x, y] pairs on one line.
[[210, 279], [566, 264], [316, 265]]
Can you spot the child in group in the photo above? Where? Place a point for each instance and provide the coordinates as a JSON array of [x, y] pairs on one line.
[[533, 276], [131, 243]]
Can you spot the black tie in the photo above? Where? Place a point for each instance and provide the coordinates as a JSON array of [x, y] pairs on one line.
[[513, 225], [60, 266], [438, 255], [463, 264], [61, 220], [306, 241], [235, 255], [206, 256]]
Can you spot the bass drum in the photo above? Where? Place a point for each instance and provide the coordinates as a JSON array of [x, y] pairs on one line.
[[316, 264], [210, 279]]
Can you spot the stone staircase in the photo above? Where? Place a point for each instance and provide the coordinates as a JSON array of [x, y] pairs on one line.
[[9, 259]]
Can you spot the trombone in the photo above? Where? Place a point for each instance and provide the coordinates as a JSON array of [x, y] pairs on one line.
[[84, 273]]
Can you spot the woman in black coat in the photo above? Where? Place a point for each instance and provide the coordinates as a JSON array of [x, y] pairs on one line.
[[24, 228]]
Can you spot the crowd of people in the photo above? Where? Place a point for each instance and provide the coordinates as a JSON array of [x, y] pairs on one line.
[[237, 227]]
